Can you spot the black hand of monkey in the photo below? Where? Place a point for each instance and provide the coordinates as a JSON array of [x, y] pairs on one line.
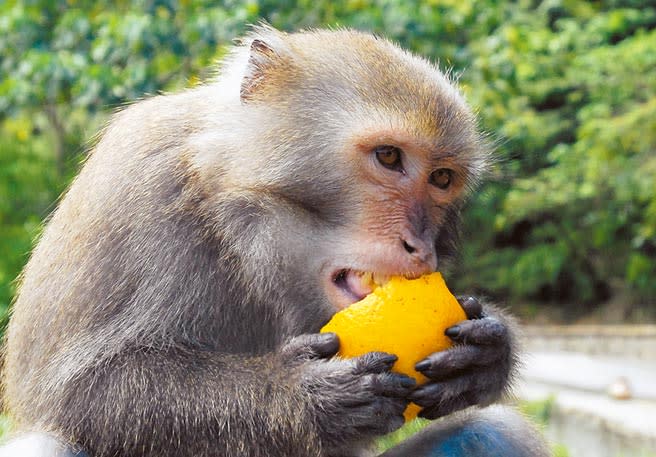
[[310, 346], [476, 371], [350, 398]]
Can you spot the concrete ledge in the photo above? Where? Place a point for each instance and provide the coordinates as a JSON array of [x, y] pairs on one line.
[[589, 425], [592, 330], [584, 418], [587, 373], [633, 341]]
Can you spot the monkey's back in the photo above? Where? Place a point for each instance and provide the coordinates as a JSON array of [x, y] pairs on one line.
[[102, 256]]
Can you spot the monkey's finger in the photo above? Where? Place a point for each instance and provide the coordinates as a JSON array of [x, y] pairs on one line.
[[382, 416], [392, 384], [380, 427], [447, 407], [312, 346], [486, 331], [373, 362], [435, 393], [481, 386], [452, 362], [472, 307]]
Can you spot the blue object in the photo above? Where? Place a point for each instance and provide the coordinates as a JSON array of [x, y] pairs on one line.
[[475, 440]]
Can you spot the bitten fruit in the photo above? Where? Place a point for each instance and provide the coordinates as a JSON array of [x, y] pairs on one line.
[[405, 317]]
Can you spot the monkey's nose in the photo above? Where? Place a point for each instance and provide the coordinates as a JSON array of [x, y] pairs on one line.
[[421, 251]]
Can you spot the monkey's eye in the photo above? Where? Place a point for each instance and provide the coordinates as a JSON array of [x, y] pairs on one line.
[[441, 178], [389, 157]]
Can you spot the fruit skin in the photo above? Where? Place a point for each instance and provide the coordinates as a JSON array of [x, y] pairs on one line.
[[405, 317]]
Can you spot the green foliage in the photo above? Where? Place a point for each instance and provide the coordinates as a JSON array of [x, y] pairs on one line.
[[27, 188], [566, 87], [540, 413], [63, 66], [563, 85], [407, 430], [560, 450], [5, 428]]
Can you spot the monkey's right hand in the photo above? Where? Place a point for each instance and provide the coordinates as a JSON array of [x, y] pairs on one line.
[[350, 399]]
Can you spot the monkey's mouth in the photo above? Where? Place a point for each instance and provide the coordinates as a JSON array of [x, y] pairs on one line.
[[354, 285]]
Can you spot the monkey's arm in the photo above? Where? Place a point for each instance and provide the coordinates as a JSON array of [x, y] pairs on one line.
[[478, 370], [186, 402], [180, 401]]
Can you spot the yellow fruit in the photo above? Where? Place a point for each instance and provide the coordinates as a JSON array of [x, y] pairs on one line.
[[405, 317]]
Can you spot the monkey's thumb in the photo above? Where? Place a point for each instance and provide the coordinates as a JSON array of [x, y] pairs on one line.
[[311, 346]]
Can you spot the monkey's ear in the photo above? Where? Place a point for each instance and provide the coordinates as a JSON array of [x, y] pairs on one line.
[[261, 59]]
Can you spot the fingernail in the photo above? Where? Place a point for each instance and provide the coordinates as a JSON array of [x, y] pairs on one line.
[[390, 358], [452, 332], [407, 381], [423, 365]]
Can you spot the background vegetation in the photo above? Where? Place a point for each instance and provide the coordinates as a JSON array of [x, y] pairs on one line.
[[567, 88]]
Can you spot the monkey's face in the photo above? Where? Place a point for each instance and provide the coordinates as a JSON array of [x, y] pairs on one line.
[[404, 193]]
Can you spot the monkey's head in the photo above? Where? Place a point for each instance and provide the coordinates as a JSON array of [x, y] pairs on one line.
[[374, 148]]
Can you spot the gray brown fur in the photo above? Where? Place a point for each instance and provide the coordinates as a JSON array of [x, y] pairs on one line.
[[155, 313]]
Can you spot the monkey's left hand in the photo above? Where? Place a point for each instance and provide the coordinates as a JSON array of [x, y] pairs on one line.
[[476, 371]]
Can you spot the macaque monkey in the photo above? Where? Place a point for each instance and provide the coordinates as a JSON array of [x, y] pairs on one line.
[[172, 304]]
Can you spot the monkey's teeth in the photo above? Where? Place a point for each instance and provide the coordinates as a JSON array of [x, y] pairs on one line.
[[380, 280], [359, 284], [367, 278]]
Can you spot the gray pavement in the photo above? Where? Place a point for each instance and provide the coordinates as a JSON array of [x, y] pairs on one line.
[[586, 419], [591, 373]]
